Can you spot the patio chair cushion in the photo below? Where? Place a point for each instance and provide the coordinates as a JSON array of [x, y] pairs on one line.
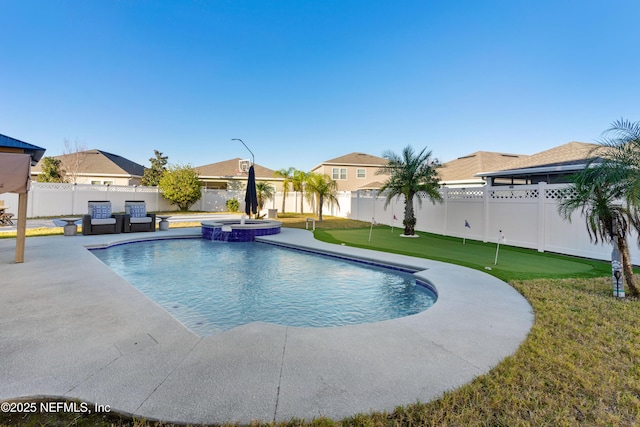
[[103, 221], [143, 220], [101, 211], [136, 210]]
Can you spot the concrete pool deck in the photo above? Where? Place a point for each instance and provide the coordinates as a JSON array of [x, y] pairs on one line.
[[70, 327]]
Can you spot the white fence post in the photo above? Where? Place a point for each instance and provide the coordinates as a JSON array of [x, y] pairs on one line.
[[445, 224], [541, 215], [485, 205]]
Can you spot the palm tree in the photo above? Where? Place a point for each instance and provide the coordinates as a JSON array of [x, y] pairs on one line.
[[265, 192], [287, 174], [597, 193], [299, 179], [409, 174], [324, 188], [622, 156]]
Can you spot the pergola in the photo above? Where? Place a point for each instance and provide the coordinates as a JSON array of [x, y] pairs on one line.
[[16, 159]]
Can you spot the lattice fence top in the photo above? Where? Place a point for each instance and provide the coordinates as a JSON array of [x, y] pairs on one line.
[[514, 193], [559, 193], [463, 193], [64, 186], [54, 186]]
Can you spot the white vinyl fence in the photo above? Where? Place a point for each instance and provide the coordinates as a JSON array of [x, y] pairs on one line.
[[527, 215], [58, 199]]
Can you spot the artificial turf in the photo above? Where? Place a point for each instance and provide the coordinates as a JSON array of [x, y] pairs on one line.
[[513, 263]]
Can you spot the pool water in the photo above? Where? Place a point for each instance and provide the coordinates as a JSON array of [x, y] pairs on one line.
[[212, 286]]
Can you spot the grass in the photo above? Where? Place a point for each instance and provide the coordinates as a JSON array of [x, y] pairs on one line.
[[578, 366]]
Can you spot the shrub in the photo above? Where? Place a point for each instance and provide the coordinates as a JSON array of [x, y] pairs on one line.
[[233, 205]]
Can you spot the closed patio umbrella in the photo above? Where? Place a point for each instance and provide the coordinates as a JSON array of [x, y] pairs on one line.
[[251, 197]]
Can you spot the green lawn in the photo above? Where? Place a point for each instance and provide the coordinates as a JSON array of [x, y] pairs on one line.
[[513, 263]]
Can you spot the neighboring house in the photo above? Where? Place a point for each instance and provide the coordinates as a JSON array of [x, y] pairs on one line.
[[96, 167], [462, 172], [232, 175], [354, 171], [553, 166]]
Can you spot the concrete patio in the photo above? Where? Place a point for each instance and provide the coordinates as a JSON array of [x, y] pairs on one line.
[[70, 327]]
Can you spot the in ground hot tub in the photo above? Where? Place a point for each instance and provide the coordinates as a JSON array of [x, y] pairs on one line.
[[239, 230]]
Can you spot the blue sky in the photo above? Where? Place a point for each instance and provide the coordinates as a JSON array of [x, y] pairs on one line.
[[305, 81]]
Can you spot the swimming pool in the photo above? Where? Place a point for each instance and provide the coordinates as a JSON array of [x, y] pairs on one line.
[[212, 287]]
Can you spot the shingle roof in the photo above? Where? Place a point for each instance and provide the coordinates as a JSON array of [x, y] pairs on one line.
[[96, 162], [230, 168], [35, 151], [374, 185], [563, 154], [466, 167], [357, 159]]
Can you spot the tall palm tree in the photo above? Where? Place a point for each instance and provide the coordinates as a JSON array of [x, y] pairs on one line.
[[410, 173], [324, 188], [598, 194], [264, 192], [287, 174], [299, 179]]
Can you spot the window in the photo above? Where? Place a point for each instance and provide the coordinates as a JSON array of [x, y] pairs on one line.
[[361, 173], [339, 173], [101, 182]]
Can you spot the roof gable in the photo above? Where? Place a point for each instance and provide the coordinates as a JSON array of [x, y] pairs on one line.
[[568, 153], [359, 159], [466, 167], [97, 162], [230, 168]]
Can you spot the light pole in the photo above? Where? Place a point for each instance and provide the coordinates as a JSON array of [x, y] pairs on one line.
[[253, 158]]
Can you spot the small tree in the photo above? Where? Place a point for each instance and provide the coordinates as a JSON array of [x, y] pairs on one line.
[[265, 192], [287, 174], [74, 157], [298, 181], [180, 186], [410, 174], [324, 188], [51, 170], [153, 174], [598, 193]]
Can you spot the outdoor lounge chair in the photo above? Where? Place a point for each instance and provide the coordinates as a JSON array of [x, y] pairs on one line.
[[100, 220], [136, 217], [5, 217]]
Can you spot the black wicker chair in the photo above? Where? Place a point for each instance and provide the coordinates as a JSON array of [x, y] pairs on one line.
[[136, 218], [100, 220]]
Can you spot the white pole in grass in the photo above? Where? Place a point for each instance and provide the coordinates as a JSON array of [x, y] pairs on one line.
[[373, 221], [500, 239], [464, 236]]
